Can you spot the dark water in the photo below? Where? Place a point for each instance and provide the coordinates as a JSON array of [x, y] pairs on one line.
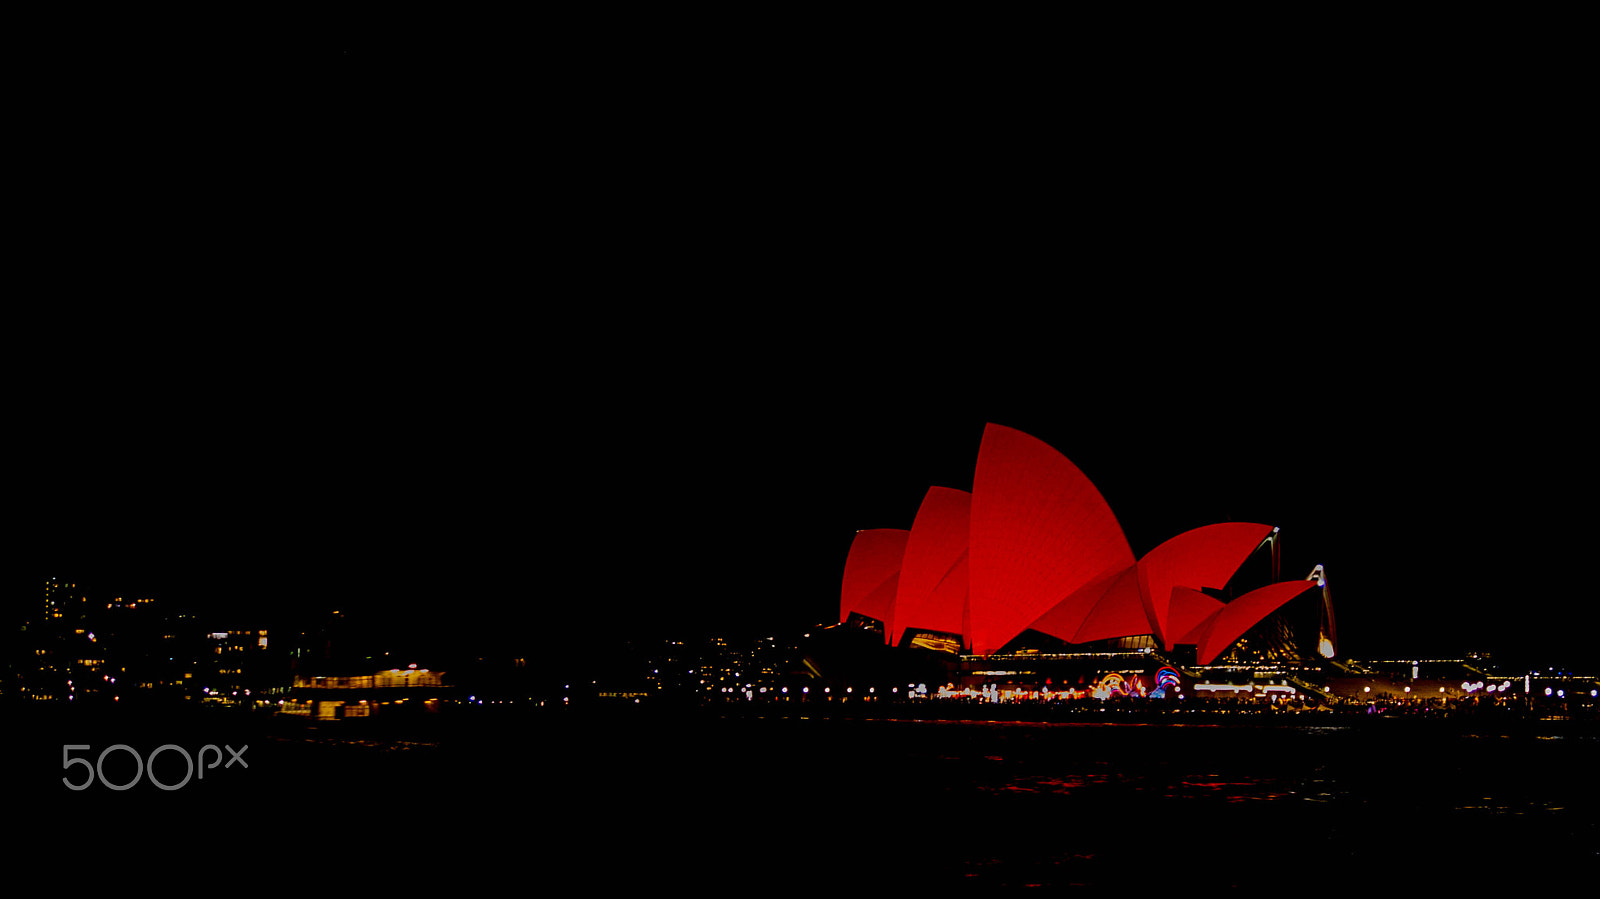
[[750, 806]]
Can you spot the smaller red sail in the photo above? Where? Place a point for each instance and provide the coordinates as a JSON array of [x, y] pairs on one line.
[[872, 575], [1231, 621], [933, 579]]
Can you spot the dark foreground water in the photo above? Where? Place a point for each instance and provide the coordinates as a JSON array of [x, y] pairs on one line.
[[762, 805]]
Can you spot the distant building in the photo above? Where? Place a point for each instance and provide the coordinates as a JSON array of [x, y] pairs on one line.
[[119, 649]]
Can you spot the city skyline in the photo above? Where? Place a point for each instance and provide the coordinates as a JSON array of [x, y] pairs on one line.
[[633, 516]]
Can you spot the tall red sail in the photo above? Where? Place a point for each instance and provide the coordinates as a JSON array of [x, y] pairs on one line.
[[1040, 532]]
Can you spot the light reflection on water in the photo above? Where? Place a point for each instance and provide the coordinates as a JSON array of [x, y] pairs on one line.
[[987, 805], [1064, 804], [1185, 768]]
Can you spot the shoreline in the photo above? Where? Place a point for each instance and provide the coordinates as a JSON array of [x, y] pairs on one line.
[[35, 722]]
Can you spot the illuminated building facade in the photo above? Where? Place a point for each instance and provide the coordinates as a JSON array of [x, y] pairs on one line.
[[1035, 548], [394, 690], [237, 666], [80, 649]]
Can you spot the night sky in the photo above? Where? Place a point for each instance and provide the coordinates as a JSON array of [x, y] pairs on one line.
[[563, 353]]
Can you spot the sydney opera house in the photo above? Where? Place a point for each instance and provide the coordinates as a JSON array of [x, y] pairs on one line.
[[1035, 550]]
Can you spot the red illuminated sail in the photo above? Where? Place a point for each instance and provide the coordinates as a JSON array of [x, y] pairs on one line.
[[1233, 619], [1139, 599], [1040, 533], [1191, 612], [1104, 608], [933, 580], [1202, 558], [872, 574]]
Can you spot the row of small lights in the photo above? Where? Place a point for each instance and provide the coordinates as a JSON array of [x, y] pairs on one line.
[[1504, 688], [748, 688]]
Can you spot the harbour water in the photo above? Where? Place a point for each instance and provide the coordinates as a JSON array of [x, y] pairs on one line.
[[738, 806], [980, 805]]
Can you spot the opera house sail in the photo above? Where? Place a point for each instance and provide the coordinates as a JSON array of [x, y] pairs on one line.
[[1035, 547]]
